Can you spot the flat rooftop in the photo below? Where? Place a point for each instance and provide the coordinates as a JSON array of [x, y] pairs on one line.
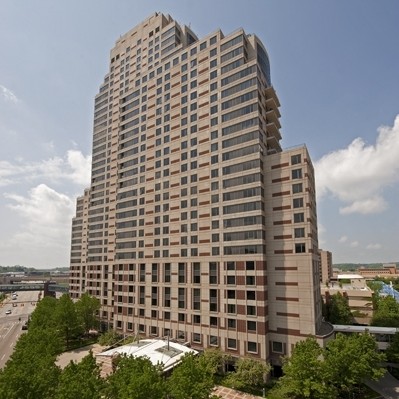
[[157, 350]]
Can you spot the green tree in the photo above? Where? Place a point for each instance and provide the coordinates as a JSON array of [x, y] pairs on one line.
[[250, 375], [87, 308], [110, 337], [338, 311], [31, 371], [305, 373], [386, 313], [215, 360], [80, 380], [67, 318], [351, 359], [43, 316], [392, 353], [191, 379], [135, 378]]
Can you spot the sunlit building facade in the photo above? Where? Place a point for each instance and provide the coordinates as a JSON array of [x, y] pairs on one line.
[[196, 225]]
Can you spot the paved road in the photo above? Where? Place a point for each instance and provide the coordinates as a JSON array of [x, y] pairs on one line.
[[11, 325]]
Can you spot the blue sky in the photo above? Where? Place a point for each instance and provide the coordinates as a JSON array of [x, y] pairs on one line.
[[334, 65]]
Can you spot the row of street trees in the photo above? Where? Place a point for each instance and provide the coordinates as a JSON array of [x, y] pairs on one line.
[[32, 372], [311, 372], [69, 319]]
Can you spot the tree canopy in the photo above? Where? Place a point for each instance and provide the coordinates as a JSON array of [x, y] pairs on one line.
[[335, 371], [386, 312], [135, 378], [338, 310], [81, 380], [191, 379]]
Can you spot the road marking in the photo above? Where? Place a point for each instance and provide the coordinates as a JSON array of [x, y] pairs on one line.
[[3, 357]]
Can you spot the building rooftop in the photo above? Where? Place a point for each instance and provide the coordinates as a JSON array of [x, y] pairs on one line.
[[349, 276], [157, 350], [361, 329]]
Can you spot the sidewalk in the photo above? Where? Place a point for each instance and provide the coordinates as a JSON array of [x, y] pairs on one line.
[[228, 393], [77, 355], [387, 386]]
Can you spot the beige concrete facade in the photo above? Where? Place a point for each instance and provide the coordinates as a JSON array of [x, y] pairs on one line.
[[355, 289], [326, 265], [176, 235]]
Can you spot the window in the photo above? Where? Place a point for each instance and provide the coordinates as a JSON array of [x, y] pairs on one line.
[[251, 325], [295, 159], [213, 340], [196, 304], [299, 232], [252, 347], [231, 280], [196, 337], [297, 203], [213, 273], [277, 347], [297, 173], [297, 188], [250, 280], [251, 296], [250, 265], [196, 277], [167, 273], [231, 323], [299, 217], [231, 308], [182, 273], [300, 248], [251, 310], [232, 343]]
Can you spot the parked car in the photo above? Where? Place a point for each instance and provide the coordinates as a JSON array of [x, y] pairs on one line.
[[25, 326], [8, 311]]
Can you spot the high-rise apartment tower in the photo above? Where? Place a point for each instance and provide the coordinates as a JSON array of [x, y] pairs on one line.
[[196, 224]]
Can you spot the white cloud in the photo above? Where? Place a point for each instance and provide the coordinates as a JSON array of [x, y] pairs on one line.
[[374, 246], [8, 95], [354, 244], [358, 174], [46, 227], [74, 167], [80, 166], [343, 239], [371, 205]]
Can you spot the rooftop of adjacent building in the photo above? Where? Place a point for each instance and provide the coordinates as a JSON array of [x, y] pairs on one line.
[[166, 352]]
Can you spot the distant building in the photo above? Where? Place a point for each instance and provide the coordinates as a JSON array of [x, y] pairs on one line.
[[355, 289], [387, 270], [326, 267]]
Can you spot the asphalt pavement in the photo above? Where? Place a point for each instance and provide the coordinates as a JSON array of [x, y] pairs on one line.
[[387, 386]]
